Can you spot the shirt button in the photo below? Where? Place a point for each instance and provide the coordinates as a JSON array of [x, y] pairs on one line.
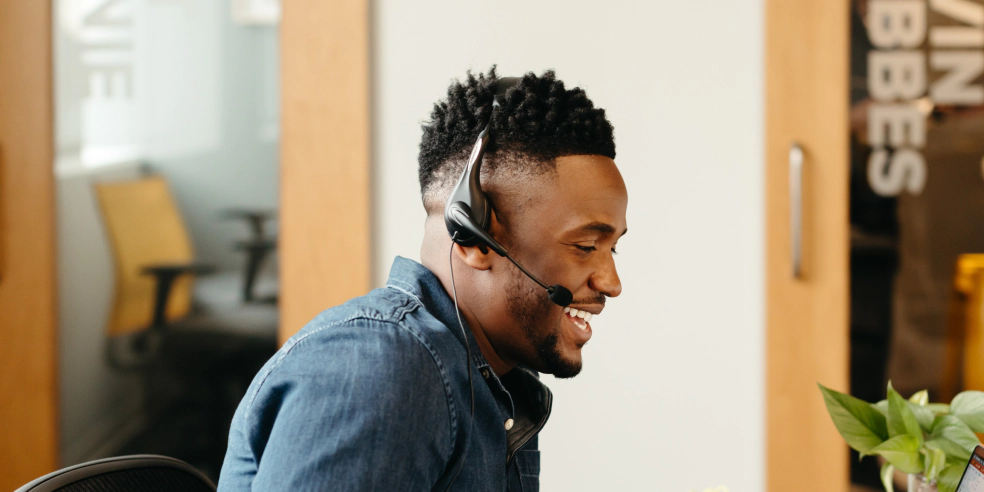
[[509, 424], [485, 373]]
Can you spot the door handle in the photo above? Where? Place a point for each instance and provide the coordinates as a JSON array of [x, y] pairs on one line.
[[796, 208]]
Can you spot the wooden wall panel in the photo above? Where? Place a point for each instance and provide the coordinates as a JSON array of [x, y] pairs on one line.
[[325, 215], [28, 384], [807, 70]]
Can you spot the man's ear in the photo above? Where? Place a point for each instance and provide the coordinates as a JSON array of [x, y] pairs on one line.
[[477, 257]]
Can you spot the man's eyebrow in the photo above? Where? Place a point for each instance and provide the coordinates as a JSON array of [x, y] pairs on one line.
[[599, 227]]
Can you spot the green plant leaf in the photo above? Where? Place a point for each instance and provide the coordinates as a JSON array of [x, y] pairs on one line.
[[902, 452], [954, 437], [923, 415], [953, 451], [934, 462], [969, 407], [920, 398], [882, 407], [861, 426], [950, 478], [901, 420], [887, 475]]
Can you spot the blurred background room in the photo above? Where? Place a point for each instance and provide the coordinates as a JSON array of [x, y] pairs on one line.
[[185, 183], [166, 119]]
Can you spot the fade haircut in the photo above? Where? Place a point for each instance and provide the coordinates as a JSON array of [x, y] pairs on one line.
[[537, 121]]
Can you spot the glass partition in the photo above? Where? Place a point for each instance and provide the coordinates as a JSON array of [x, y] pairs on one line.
[[917, 196], [167, 131]]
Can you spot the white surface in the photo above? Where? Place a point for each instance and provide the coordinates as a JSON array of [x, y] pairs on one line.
[[673, 379]]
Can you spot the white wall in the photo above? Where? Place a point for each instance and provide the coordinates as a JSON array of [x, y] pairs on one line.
[[671, 396]]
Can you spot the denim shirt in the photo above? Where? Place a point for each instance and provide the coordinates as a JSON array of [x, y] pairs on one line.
[[374, 395]]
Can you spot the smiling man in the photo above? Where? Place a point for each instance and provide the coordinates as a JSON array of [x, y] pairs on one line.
[[402, 390]]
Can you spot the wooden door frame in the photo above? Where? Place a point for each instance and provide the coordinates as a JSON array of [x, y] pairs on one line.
[[807, 333], [325, 224], [325, 201], [28, 322]]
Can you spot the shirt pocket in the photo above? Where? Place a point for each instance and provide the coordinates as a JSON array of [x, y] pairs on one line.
[[528, 463]]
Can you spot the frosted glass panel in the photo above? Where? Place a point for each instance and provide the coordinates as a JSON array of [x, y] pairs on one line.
[[187, 91]]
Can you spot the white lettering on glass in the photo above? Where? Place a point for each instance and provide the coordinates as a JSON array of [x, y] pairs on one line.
[[961, 68], [899, 75], [966, 11], [904, 122], [956, 37], [896, 74], [905, 171], [897, 24]]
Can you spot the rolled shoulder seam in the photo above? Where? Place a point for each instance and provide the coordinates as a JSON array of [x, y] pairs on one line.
[[416, 335]]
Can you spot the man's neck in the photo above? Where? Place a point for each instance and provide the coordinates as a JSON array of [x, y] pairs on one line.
[[434, 256]]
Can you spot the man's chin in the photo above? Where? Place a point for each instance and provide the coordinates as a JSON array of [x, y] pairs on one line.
[[557, 364], [567, 372]]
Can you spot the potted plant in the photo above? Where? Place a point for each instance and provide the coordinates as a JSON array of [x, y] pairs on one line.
[[931, 442]]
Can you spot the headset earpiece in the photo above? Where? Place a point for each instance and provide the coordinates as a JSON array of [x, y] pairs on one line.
[[467, 212], [461, 217]]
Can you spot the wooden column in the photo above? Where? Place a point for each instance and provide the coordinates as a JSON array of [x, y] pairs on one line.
[[325, 217], [807, 341], [28, 348]]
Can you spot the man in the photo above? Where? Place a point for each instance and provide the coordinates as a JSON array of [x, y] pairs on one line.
[[375, 394]]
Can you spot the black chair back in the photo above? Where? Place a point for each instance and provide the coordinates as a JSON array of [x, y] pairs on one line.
[[136, 473]]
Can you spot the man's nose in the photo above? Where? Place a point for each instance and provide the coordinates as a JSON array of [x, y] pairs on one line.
[[606, 281]]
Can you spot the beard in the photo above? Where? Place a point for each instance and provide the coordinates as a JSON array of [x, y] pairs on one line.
[[531, 310]]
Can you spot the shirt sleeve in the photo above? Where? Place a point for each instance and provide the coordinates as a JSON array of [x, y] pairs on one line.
[[362, 407]]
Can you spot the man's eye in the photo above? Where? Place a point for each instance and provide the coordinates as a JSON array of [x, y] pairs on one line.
[[614, 252], [585, 249]]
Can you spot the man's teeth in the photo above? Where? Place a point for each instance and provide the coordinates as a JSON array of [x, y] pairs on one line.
[[576, 313]]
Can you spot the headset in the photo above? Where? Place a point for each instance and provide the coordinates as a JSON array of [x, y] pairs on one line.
[[468, 216]]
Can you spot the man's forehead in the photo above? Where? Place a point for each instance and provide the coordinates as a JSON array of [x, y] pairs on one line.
[[603, 228], [587, 178], [588, 169], [588, 195]]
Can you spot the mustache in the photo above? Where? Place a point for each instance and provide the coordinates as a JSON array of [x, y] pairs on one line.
[[599, 299]]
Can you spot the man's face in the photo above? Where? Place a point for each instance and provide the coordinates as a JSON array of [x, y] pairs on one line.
[[565, 232]]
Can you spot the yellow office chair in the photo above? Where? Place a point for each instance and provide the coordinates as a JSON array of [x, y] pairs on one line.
[[151, 250], [155, 268], [963, 367]]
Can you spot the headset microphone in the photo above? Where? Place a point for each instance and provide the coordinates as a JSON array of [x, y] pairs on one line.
[[468, 214]]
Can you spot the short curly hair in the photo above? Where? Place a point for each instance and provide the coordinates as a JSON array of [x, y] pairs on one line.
[[538, 121]]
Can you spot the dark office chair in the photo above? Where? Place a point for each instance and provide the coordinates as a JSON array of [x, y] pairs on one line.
[[136, 473], [257, 249]]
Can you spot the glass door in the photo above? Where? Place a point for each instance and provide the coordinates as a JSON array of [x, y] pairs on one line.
[[916, 195], [167, 166]]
